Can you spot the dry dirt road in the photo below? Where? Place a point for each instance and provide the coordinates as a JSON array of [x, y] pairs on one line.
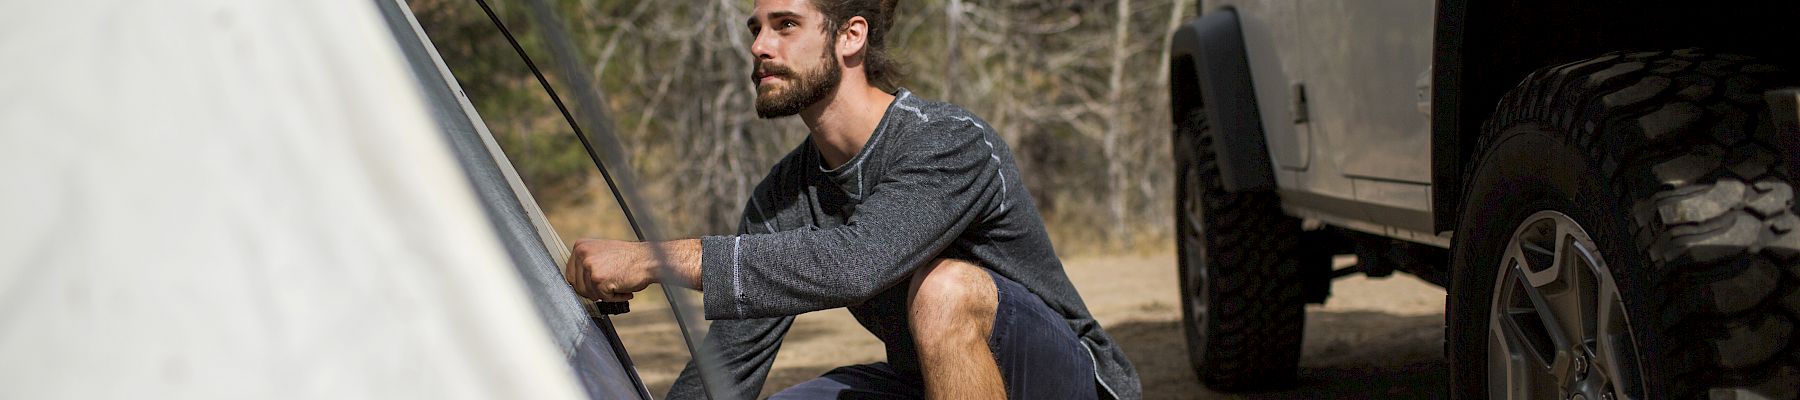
[[1374, 339]]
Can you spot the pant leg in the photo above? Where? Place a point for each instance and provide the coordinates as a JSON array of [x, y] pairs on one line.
[[867, 381], [1039, 355]]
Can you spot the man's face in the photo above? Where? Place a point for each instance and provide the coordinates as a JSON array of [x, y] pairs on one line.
[[796, 61]]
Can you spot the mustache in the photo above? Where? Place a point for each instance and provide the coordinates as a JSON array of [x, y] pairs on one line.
[[769, 69]]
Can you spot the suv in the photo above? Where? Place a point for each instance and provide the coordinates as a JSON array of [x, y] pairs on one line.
[[1605, 189]]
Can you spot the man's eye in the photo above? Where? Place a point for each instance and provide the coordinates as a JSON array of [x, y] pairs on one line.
[[788, 24]]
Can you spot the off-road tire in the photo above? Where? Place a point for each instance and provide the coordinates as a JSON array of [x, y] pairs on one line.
[[1670, 161], [1249, 336]]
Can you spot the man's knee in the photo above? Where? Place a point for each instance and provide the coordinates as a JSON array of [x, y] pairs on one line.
[[950, 298]]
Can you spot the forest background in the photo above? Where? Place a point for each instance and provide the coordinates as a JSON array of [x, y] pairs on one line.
[[1077, 87]]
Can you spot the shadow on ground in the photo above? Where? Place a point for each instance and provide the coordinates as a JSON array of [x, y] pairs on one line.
[[1347, 355]]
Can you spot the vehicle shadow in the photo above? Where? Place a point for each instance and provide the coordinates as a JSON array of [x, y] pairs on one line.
[[1346, 355]]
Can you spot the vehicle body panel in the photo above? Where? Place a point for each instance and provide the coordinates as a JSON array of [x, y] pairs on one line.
[[1343, 89]]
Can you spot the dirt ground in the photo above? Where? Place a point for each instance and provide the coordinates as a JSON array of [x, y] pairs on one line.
[[1374, 339]]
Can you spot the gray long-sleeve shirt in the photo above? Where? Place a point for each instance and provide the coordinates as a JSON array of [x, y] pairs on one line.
[[933, 181]]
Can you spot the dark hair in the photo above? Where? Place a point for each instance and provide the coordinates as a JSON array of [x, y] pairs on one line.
[[883, 70]]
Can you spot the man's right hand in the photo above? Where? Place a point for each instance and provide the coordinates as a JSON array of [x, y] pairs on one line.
[[611, 270], [608, 270]]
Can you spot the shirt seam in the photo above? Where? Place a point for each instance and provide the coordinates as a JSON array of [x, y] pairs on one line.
[[998, 171], [856, 162], [760, 214]]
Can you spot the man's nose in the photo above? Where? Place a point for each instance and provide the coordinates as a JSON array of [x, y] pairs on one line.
[[762, 46]]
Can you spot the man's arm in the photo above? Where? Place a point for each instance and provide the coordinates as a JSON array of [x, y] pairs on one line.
[[746, 348], [943, 180], [934, 191], [611, 270]]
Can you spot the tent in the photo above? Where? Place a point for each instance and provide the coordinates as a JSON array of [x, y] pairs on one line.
[[216, 199]]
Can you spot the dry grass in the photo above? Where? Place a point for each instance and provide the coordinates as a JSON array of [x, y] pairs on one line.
[[588, 213]]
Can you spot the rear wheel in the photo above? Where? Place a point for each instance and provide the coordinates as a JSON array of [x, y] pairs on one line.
[[1629, 233], [1242, 307]]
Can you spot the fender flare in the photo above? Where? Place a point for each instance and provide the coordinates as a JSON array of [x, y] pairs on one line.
[[1210, 70]]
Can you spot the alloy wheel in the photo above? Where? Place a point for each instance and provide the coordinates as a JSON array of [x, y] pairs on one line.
[[1557, 326]]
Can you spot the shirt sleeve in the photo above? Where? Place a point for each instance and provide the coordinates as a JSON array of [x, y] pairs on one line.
[[939, 181]]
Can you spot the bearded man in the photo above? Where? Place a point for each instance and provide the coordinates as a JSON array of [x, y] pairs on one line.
[[909, 212]]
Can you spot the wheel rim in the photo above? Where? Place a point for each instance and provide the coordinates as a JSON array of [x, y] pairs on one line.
[[1557, 327], [1194, 248]]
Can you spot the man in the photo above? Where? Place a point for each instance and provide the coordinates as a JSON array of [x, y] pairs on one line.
[[909, 212]]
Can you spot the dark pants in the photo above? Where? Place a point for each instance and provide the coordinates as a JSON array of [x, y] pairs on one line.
[[1039, 356]]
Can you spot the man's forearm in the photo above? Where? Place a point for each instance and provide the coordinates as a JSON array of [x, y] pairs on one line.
[[611, 270], [683, 257]]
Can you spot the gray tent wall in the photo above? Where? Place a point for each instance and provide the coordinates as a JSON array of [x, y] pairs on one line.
[[536, 250]]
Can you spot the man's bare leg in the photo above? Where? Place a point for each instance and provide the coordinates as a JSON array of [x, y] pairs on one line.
[[951, 306]]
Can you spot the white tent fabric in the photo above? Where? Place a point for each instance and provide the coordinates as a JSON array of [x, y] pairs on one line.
[[233, 199], [603, 370]]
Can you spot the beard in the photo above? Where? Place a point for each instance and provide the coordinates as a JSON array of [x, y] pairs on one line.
[[803, 90]]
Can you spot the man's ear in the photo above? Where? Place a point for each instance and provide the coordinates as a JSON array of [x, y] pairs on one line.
[[853, 38]]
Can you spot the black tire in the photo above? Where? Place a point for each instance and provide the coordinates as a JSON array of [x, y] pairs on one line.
[[1670, 163], [1241, 290]]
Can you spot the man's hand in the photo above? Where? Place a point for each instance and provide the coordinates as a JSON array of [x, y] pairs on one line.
[[611, 270]]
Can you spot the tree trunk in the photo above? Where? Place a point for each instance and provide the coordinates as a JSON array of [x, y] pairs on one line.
[[1162, 67], [1116, 194], [952, 49]]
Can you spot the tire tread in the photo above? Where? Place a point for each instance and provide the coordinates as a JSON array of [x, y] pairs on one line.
[[1256, 309], [1682, 136]]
